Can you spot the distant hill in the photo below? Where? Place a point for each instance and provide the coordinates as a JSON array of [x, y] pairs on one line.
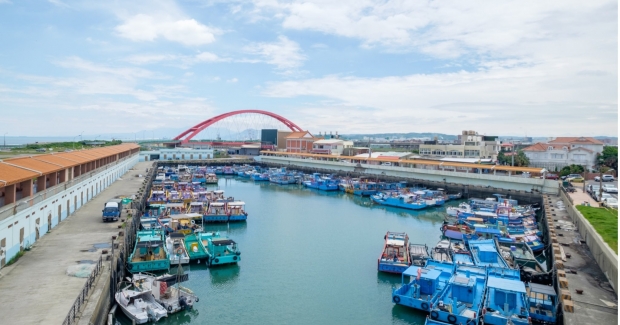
[[401, 135]]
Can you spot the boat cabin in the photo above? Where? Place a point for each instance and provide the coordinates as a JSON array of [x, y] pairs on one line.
[[174, 209], [506, 300], [543, 302], [216, 208]]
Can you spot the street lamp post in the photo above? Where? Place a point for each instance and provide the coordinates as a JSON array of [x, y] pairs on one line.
[[4, 136]]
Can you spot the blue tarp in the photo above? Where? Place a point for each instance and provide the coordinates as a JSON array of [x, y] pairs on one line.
[[506, 284]]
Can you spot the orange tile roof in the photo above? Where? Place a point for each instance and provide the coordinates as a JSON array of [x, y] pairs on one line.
[[576, 140], [298, 135], [19, 169]]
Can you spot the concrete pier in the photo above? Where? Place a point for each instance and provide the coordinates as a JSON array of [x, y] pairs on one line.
[[40, 291]]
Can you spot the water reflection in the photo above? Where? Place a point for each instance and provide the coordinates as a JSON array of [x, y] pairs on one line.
[[405, 315], [224, 274]]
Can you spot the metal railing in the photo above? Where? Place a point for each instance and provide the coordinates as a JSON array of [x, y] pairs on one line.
[[81, 299]]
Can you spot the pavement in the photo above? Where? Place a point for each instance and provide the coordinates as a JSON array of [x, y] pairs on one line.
[[598, 304], [579, 196], [36, 289]]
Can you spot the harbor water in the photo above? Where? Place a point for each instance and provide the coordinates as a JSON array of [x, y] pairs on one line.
[[307, 257]]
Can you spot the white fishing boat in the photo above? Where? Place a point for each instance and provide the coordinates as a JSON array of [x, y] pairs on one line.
[[167, 291], [139, 306], [176, 249]]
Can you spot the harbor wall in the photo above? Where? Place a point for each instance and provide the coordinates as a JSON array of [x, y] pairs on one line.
[[35, 216], [513, 183], [606, 258]]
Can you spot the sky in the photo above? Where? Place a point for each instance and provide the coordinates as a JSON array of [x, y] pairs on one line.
[[536, 68]]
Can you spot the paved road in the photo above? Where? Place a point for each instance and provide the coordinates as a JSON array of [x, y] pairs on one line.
[[36, 289]]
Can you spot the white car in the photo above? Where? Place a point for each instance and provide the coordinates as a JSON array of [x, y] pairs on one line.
[[606, 178], [610, 203], [610, 188], [602, 198]]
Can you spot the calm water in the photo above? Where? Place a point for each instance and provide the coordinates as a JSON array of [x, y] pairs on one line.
[[307, 257]]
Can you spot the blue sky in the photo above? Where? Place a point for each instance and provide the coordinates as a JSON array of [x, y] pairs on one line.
[[353, 66]]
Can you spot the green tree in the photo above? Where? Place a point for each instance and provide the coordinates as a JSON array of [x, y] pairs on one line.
[[609, 157], [502, 159], [521, 159], [572, 169]]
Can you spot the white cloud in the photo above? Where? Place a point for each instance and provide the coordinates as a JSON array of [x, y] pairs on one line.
[[233, 80], [5, 1], [58, 3], [188, 32], [181, 61], [284, 54]]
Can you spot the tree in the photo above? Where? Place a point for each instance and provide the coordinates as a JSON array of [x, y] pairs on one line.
[[572, 169], [609, 157], [521, 159], [502, 159]]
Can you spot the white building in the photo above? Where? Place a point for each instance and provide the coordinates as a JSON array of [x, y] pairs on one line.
[[472, 145], [331, 146], [176, 154], [564, 151]]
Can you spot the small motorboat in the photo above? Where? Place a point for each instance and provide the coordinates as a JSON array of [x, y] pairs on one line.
[[172, 298], [139, 306], [176, 248]]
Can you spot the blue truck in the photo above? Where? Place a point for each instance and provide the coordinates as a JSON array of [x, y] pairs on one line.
[[112, 210]]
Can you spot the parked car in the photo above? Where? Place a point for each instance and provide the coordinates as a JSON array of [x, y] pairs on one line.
[[593, 189], [606, 178], [552, 176], [610, 188], [610, 203], [599, 198], [578, 179], [573, 176], [386, 164]]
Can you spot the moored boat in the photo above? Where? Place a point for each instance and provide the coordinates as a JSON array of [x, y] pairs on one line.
[[172, 298], [222, 249], [405, 201], [195, 250], [395, 255], [139, 306], [176, 247], [461, 299], [420, 284], [149, 253], [216, 212], [418, 254], [505, 299], [543, 302], [485, 253], [518, 255], [236, 212]]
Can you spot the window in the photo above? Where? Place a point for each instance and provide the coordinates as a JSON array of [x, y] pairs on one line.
[[557, 156], [550, 148]]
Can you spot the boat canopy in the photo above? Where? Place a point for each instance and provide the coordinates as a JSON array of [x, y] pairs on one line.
[[506, 284], [195, 203], [395, 242], [218, 191], [150, 243], [238, 203], [173, 279], [176, 235], [474, 219], [216, 204], [174, 205], [539, 288], [488, 231], [158, 192], [185, 216], [223, 241]]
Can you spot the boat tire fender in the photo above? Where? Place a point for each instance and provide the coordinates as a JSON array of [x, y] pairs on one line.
[[197, 299], [169, 308], [238, 253], [193, 222], [424, 306], [451, 319], [129, 266], [217, 260], [434, 314], [235, 258], [396, 299]]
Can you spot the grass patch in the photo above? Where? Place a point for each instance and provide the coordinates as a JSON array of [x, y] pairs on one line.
[[15, 258], [605, 221]]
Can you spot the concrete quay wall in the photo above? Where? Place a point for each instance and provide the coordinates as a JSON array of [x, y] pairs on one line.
[[606, 258], [35, 216], [471, 179]]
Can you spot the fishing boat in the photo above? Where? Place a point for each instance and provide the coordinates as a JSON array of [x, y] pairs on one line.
[[519, 255], [218, 170], [260, 177], [196, 207], [454, 211], [460, 254], [460, 302], [418, 254], [158, 197], [216, 212], [420, 284], [543, 302], [227, 170], [172, 209], [139, 306], [176, 247], [162, 288], [405, 201], [441, 251], [184, 223], [395, 255], [198, 177], [222, 249], [149, 253], [148, 223], [321, 183], [485, 253], [195, 249], [211, 178], [505, 299], [236, 212]]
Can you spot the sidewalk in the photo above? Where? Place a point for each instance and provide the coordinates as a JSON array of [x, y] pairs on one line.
[[579, 196], [36, 290]]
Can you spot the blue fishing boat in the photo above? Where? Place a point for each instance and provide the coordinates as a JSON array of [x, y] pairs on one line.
[[221, 249], [227, 170], [218, 170], [405, 201], [321, 183], [149, 253], [543, 302], [505, 299], [519, 255], [420, 284], [199, 178], [395, 257], [236, 211], [216, 212], [460, 302], [485, 253], [260, 177], [194, 248]]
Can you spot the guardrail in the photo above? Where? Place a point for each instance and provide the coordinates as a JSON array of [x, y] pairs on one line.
[[25, 203], [79, 302]]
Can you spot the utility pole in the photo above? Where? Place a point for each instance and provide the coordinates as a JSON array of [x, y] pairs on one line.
[[5, 140], [512, 146]]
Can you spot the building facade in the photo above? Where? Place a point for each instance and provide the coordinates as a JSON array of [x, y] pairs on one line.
[[331, 146], [176, 154], [564, 151], [471, 145], [300, 142]]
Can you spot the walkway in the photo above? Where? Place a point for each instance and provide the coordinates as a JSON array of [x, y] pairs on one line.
[[36, 289]]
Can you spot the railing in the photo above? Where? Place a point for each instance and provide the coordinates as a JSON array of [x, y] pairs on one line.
[[79, 302], [25, 203]]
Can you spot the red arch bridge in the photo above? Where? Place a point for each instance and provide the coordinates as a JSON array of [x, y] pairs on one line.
[[256, 119]]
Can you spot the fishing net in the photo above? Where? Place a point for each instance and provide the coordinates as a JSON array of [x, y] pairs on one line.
[[80, 270]]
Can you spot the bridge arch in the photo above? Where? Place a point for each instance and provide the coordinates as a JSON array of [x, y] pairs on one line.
[[193, 131]]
